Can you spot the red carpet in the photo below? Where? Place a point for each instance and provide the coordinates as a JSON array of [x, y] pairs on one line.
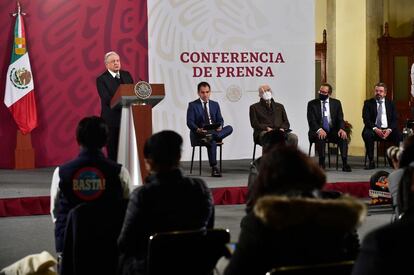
[[12, 207]]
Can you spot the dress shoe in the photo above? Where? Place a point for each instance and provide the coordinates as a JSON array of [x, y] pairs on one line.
[[346, 168], [215, 172], [371, 165]]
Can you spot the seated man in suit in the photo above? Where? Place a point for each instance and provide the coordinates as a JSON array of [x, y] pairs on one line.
[[268, 115], [201, 113], [326, 121], [380, 122]]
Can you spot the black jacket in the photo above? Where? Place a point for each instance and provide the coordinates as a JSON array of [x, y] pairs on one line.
[[388, 249], [89, 177], [369, 114], [314, 114], [166, 202], [107, 86], [288, 231]]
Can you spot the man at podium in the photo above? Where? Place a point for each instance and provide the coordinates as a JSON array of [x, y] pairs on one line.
[[206, 124], [107, 84]]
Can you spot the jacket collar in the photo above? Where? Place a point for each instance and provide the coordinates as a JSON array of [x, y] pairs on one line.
[[282, 212]]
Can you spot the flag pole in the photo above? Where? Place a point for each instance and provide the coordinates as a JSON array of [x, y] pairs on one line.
[[24, 154]]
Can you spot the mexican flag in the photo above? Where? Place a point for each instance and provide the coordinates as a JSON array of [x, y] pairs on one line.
[[19, 96]]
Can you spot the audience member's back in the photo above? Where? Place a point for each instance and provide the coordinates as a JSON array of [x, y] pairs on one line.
[[389, 249], [406, 159], [167, 201], [90, 177], [290, 224]]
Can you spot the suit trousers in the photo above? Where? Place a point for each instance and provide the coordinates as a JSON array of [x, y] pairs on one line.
[[112, 146], [217, 136], [333, 138], [370, 136]]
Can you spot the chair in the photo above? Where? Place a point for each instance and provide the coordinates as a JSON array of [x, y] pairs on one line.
[[329, 151], [377, 144], [200, 145], [91, 234], [254, 150], [336, 268], [186, 252]]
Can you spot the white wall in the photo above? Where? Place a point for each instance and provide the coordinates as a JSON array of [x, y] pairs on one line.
[[283, 26]]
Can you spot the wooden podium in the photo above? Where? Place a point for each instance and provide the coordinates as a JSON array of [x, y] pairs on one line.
[[136, 127]]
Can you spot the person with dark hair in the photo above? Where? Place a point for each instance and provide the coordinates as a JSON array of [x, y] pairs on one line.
[[389, 249], [88, 178], [380, 122], [290, 224], [268, 115], [202, 114], [406, 159], [167, 201], [326, 122], [107, 84]]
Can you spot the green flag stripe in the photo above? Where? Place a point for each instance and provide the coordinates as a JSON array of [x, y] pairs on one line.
[[15, 56]]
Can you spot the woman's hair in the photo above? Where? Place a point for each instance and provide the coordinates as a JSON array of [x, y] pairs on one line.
[[285, 170]]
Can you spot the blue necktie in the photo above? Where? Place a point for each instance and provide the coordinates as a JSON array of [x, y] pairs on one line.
[[325, 122], [379, 115], [206, 116]]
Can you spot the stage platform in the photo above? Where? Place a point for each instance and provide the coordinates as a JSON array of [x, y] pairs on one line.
[[26, 192]]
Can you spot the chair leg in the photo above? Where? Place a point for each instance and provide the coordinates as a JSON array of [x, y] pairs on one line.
[[365, 160], [254, 151], [310, 148], [377, 144], [329, 155], [192, 161], [337, 154], [199, 153], [221, 148]]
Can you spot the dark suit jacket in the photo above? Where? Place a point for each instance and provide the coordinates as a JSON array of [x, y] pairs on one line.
[[369, 114], [107, 86], [167, 201], [91, 238], [314, 114], [195, 114], [388, 249], [262, 117]]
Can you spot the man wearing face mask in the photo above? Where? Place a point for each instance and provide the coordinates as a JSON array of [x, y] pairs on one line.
[[326, 122], [268, 115], [380, 122]]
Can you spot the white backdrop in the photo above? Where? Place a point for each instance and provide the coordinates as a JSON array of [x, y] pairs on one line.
[[283, 27]]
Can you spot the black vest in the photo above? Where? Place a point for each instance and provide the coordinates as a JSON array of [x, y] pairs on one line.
[[89, 177]]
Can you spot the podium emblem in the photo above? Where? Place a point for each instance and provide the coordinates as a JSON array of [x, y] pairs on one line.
[[143, 90]]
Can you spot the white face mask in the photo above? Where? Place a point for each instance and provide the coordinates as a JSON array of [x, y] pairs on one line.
[[267, 96]]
